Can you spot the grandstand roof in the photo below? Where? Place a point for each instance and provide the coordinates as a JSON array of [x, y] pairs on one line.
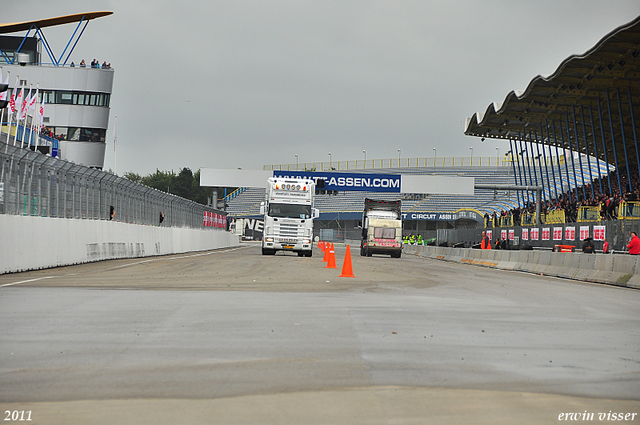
[[602, 78], [50, 22]]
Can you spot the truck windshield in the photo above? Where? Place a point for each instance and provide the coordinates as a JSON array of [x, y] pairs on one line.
[[384, 233], [289, 210]]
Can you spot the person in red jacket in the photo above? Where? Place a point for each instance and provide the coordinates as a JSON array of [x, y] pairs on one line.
[[634, 244], [486, 241]]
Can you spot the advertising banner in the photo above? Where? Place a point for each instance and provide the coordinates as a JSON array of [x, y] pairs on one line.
[[570, 233], [348, 181], [599, 233], [584, 232]]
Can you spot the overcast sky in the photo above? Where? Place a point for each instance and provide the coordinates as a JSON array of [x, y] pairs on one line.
[[242, 84]]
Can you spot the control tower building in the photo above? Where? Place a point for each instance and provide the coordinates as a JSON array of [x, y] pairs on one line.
[[76, 97]]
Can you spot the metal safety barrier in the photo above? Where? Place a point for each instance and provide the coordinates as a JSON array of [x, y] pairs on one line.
[[39, 185]]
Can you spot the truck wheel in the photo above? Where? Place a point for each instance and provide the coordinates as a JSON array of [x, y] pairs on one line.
[[266, 251], [368, 253], [300, 253], [362, 254], [309, 254], [396, 255]]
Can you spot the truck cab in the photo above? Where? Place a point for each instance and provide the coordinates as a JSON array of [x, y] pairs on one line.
[[288, 216], [381, 228]]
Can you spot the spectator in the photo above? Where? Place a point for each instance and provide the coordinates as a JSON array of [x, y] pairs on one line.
[[634, 244], [486, 242], [83, 64], [605, 247], [588, 247]]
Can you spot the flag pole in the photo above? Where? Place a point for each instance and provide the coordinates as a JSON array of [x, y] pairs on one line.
[[16, 111], [12, 102], [115, 143], [2, 113], [33, 118]]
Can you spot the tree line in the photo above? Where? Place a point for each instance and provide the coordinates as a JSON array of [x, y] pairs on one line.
[[185, 184]]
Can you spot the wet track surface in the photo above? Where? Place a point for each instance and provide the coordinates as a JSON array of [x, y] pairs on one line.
[[232, 336]]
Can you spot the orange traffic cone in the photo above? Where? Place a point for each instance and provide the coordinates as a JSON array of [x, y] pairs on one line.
[[331, 263], [321, 245], [325, 258], [347, 270]]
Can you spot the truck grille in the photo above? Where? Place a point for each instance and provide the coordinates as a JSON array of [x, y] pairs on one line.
[[288, 230]]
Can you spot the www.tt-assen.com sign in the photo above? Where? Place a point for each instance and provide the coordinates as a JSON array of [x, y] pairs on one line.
[[349, 181]]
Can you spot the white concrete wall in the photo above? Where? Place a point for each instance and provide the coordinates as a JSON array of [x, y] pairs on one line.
[[611, 269], [31, 243]]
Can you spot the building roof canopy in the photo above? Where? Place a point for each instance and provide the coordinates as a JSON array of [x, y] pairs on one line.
[[50, 22], [602, 79]]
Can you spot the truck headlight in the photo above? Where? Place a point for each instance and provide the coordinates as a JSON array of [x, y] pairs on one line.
[[268, 239]]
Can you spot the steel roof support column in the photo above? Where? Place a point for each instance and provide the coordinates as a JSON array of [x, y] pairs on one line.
[[595, 146], [515, 176], [633, 126], [586, 148], [540, 163], [71, 39], [613, 142], [604, 147], [544, 158], [573, 161], [564, 153], [528, 151], [624, 142], [524, 172], [533, 160], [555, 142], [555, 186], [538, 207], [520, 170], [47, 47]]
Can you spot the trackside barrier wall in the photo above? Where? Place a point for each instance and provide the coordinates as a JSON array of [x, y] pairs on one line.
[[612, 269], [30, 243]]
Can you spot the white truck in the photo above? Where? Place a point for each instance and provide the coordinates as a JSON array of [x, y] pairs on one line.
[[288, 216], [381, 228]]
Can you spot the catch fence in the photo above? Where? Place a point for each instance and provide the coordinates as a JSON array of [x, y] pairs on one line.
[[34, 184]]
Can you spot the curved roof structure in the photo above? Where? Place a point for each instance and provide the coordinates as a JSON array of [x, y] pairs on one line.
[[50, 22], [591, 98]]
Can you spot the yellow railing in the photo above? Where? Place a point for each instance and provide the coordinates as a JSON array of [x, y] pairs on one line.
[[528, 219], [555, 217], [362, 164], [629, 210], [506, 221], [588, 214]]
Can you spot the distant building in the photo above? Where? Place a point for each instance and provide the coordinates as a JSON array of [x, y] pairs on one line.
[[76, 98]]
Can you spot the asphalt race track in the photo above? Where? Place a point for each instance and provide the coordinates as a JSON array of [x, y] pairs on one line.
[[234, 337]]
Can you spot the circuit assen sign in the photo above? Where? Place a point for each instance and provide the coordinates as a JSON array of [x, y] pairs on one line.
[[442, 216], [349, 181]]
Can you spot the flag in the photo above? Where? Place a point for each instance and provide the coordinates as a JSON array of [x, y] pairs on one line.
[[32, 102], [18, 103], [41, 114], [14, 95], [3, 95], [24, 105]]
